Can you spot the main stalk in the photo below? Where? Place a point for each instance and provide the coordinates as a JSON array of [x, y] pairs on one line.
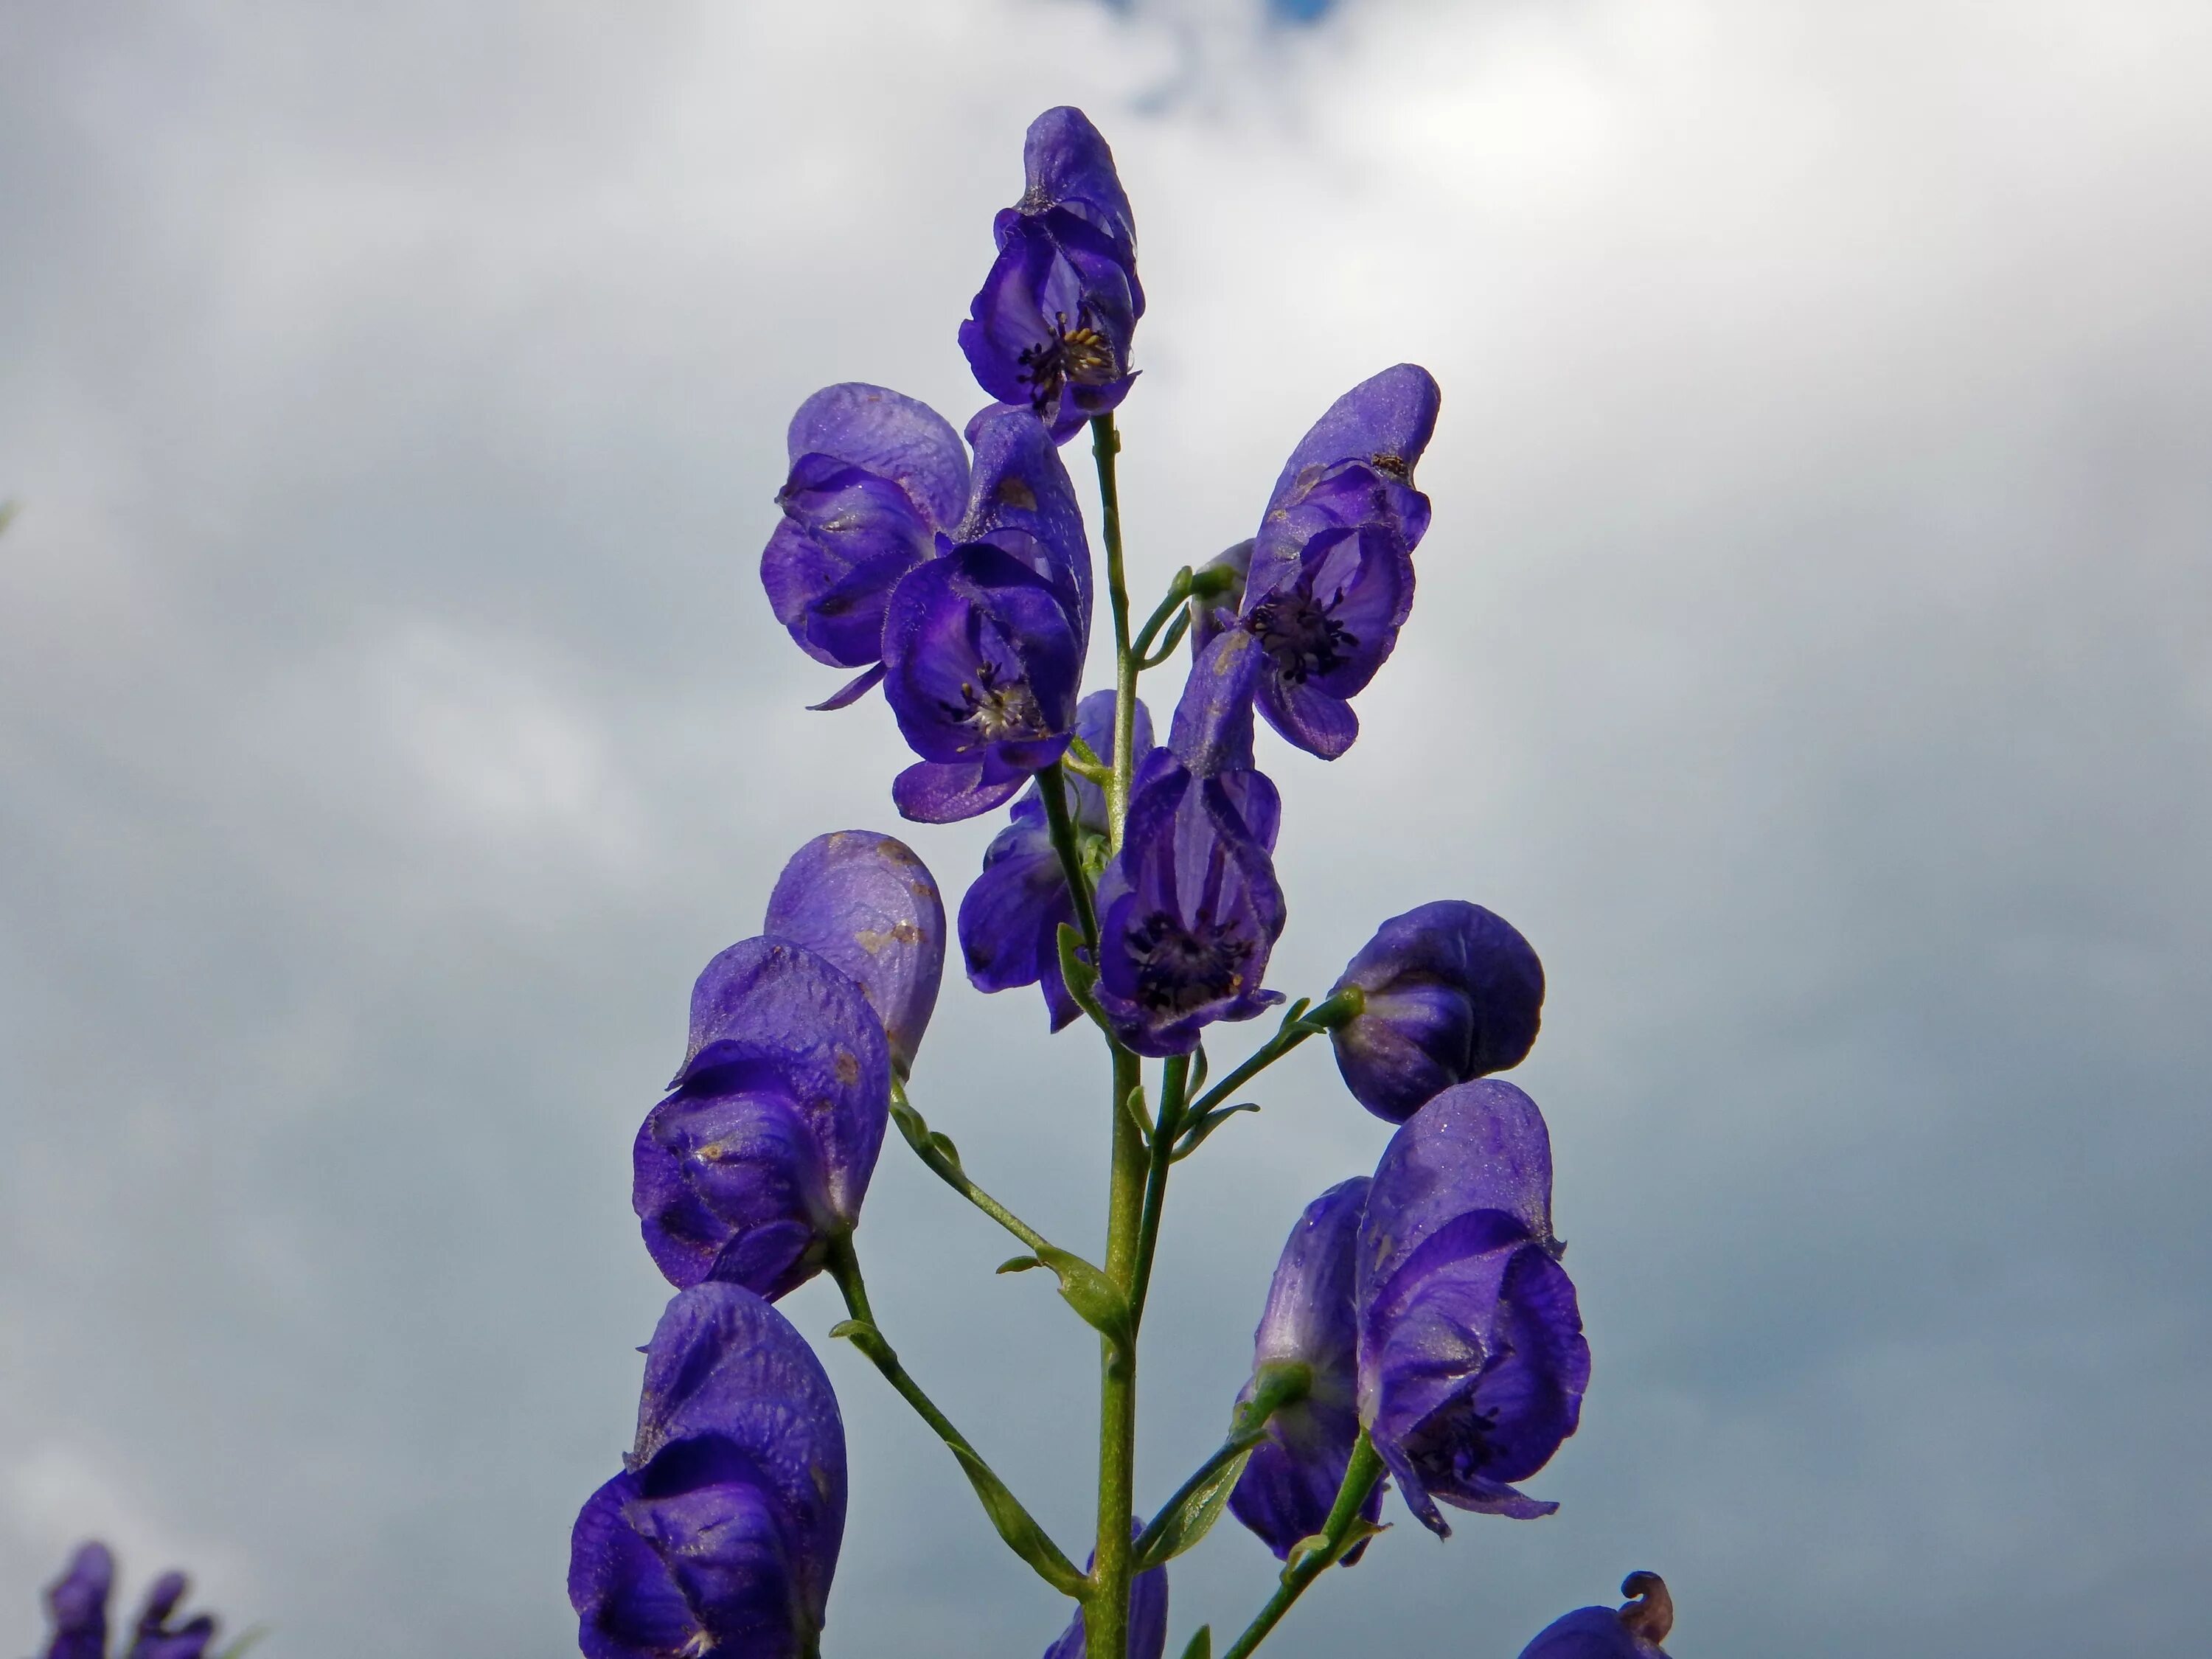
[[1106, 1612]]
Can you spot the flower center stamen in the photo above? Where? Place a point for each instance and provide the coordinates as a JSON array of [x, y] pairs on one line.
[[1299, 635], [998, 712], [1179, 968], [1081, 354]]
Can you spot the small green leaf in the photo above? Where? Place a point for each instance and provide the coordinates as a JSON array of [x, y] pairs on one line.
[[942, 1145], [1096, 1299], [1278, 1383], [1195, 1134], [1193, 1517], [866, 1338], [1331, 1551], [1019, 1264], [1202, 1645], [1016, 1525], [1133, 1104], [910, 1124], [1079, 975]]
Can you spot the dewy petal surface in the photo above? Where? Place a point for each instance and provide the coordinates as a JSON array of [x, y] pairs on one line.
[[1289, 1486], [768, 1001], [719, 1538], [891, 436], [1472, 1360], [1453, 992], [866, 904]]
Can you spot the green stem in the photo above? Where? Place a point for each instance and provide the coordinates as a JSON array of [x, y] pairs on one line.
[[1174, 1078], [1106, 1607], [1014, 1523], [1301, 1023], [1105, 444], [1163, 614], [1277, 1385], [1360, 1475], [1052, 789], [946, 1168], [1106, 1615]]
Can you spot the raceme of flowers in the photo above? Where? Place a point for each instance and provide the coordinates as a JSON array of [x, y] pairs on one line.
[[1420, 1329]]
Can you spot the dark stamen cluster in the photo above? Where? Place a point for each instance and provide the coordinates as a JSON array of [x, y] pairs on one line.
[[1081, 354], [997, 711], [1299, 635], [1451, 1447], [1178, 970]]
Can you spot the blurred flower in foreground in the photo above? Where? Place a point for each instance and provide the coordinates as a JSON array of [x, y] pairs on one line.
[[77, 1602], [1632, 1631]]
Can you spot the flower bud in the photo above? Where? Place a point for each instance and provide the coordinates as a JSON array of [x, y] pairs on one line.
[[1632, 1631], [1452, 993]]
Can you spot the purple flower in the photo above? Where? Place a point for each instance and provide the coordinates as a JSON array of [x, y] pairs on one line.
[[1453, 992], [1189, 910], [1472, 1361], [1329, 579], [1148, 1616], [1289, 1486], [719, 1538], [874, 476], [763, 1152], [983, 660], [77, 1601], [1634, 1631], [878, 484], [1010, 917], [1050, 327], [867, 905]]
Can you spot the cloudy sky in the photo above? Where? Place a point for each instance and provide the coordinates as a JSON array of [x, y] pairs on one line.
[[1813, 657]]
